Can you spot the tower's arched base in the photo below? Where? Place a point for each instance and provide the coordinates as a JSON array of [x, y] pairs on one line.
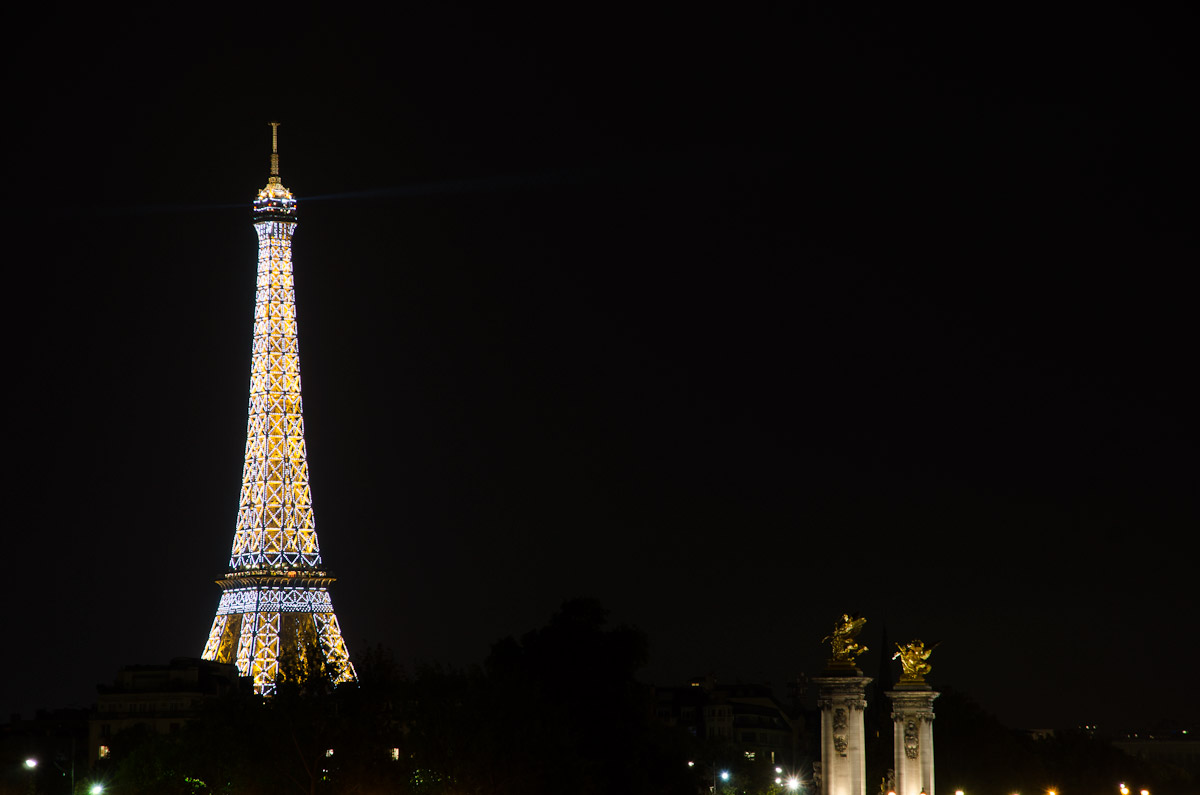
[[276, 628]]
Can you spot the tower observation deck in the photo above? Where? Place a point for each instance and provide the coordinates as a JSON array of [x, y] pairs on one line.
[[275, 603]]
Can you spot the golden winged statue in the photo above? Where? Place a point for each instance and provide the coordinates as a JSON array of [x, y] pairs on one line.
[[845, 648], [913, 655]]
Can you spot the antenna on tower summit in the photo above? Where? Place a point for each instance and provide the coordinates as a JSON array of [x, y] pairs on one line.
[[274, 148]]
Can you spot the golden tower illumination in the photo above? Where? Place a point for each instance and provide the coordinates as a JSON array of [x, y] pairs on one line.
[[275, 601]]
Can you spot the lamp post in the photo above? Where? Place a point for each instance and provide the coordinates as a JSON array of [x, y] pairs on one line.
[[790, 784]]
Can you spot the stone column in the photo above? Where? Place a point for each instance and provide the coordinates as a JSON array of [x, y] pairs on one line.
[[842, 699], [912, 714]]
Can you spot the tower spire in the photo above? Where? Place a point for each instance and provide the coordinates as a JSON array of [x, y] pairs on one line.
[[274, 151], [275, 202], [275, 603]]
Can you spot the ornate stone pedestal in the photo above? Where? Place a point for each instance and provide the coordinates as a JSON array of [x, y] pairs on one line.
[[841, 699], [912, 714]]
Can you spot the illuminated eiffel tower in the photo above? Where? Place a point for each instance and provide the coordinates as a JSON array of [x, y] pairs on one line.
[[275, 602]]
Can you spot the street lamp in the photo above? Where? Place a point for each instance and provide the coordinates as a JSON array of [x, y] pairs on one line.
[[31, 765]]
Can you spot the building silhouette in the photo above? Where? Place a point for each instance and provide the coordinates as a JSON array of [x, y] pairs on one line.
[[746, 718], [161, 698]]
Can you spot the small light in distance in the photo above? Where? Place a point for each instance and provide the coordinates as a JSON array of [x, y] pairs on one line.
[[724, 775]]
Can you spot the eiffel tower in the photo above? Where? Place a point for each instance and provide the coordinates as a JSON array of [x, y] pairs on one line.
[[275, 603]]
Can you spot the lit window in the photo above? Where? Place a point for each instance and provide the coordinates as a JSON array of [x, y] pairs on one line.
[[104, 752], [395, 754]]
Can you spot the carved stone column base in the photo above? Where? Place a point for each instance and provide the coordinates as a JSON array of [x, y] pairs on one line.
[[841, 699], [912, 715]]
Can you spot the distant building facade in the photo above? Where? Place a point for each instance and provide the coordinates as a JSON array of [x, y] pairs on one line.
[[745, 716], [1177, 749], [160, 697]]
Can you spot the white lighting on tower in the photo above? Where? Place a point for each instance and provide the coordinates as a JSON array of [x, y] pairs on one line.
[[274, 599]]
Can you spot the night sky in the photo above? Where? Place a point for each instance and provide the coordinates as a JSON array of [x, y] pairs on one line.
[[735, 319]]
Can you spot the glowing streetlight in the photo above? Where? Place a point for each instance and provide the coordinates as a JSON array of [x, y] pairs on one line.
[[1124, 789], [793, 784], [96, 789], [30, 763], [724, 775]]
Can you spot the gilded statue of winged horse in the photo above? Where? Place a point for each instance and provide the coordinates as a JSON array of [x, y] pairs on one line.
[[845, 648]]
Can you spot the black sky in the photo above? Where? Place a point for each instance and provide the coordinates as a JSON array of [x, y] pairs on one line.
[[735, 319]]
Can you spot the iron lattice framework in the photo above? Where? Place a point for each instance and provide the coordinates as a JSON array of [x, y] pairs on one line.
[[275, 601]]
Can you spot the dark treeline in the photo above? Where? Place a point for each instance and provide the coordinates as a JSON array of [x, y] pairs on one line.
[[559, 710]]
